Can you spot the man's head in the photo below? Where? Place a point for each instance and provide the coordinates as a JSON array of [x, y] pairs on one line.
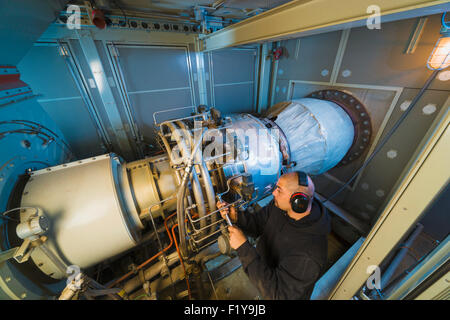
[[288, 185]]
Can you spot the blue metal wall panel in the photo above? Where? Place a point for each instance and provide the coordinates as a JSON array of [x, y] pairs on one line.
[[232, 73], [46, 71], [153, 68], [234, 98], [156, 78]]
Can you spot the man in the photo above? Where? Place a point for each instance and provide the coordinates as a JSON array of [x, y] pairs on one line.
[[291, 252]]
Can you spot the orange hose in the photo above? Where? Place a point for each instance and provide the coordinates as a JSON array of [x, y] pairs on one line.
[[156, 255], [181, 260], [149, 260]]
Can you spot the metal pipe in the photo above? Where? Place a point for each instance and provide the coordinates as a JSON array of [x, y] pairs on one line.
[[150, 273], [390, 270], [182, 193], [432, 262], [207, 183], [196, 187]]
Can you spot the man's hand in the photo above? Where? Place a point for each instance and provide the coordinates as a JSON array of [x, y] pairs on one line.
[[231, 211], [237, 237]]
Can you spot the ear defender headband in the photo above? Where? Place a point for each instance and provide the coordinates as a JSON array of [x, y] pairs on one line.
[[299, 200]]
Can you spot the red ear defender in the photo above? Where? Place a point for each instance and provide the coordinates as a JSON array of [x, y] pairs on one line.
[[299, 202]]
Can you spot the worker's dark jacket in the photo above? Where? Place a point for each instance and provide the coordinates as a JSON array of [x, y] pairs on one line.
[[290, 255]]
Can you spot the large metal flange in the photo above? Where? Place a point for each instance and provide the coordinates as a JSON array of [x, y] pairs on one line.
[[359, 116]]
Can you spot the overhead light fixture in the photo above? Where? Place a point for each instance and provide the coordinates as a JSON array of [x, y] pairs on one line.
[[440, 56]]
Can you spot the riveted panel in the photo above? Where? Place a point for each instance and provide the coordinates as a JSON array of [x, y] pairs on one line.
[[60, 98], [309, 58], [232, 74], [378, 57]]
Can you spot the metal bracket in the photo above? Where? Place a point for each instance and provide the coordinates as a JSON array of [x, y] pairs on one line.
[[24, 252]]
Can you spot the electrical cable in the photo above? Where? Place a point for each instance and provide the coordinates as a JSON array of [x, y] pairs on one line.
[[37, 130], [388, 135], [26, 122], [123, 12], [160, 246], [8, 218], [379, 293], [444, 23], [142, 295], [47, 141], [402, 274], [149, 260], [181, 260], [18, 208]]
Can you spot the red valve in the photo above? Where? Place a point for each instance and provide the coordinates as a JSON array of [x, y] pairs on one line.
[[277, 53], [98, 19]]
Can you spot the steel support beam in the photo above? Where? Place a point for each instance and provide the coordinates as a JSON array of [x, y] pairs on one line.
[[425, 176], [265, 67], [435, 260], [201, 74], [308, 17], [92, 57]]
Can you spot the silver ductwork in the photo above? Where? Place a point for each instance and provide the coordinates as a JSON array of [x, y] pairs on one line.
[[319, 133]]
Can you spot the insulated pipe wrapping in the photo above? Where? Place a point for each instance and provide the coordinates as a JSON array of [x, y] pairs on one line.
[[319, 133]]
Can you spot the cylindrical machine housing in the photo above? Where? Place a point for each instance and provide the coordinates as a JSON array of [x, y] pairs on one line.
[[86, 204], [319, 133]]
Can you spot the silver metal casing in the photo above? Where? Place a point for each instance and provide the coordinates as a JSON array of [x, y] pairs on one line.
[[87, 212]]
